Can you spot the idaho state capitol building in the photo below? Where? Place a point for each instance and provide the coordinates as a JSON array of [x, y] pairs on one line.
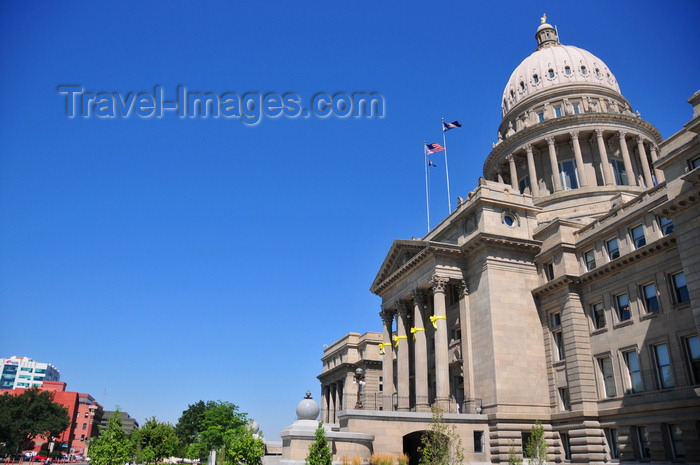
[[564, 288]]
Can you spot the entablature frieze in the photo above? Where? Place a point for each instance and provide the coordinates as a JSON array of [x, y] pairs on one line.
[[485, 240]]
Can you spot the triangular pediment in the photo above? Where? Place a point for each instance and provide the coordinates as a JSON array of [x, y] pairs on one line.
[[402, 252]]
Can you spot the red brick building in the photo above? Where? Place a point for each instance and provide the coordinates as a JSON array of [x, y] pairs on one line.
[[84, 413]]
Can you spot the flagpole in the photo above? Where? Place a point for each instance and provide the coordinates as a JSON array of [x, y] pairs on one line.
[[427, 194], [447, 173]]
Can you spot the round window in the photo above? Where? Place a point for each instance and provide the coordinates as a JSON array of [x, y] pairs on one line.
[[508, 220]]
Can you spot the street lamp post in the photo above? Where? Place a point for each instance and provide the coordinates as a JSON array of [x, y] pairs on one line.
[[360, 381]]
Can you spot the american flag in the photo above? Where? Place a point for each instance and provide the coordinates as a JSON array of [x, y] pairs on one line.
[[433, 148]]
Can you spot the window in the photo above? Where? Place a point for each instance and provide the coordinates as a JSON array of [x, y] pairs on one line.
[[622, 302], [692, 348], [598, 315], [567, 172], [666, 226], [680, 288], [643, 442], [638, 238], [634, 372], [664, 370], [694, 163], [540, 116], [613, 442], [25, 369], [565, 399], [84, 426], [557, 112], [613, 249], [651, 300], [567, 70], [522, 85], [478, 441], [535, 79], [525, 437], [381, 384], [589, 258], [550, 72], [566, 445], [548, 270], [555, 324], [577, 108], [597, 73], [675, 436], [619, 172], [606, 371], [584, 70], [523, 183]]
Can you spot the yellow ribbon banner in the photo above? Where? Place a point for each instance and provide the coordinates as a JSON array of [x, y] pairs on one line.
[[415, 330], [397, 339], [382, 346], [433, 320]]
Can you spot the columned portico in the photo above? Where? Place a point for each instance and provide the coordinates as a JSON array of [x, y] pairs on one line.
[[420, 354], [439, 320], [402, 348]]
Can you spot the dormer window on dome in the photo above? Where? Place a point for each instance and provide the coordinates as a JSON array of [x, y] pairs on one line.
[[597, 73], [535, 79], [584, 70], [550, 71], [567, 70]]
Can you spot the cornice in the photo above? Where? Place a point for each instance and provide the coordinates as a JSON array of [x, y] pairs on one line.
[[428, 249], [555, 285], [485, 240]]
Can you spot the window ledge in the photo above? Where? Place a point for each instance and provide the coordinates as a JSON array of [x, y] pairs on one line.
[[595, 332], [649, 316], [623, 324]]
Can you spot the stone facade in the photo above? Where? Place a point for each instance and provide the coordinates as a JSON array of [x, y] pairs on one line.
[[565, 288]]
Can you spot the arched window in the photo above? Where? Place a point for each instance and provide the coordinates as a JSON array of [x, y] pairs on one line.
[[584, 70], [551, 73], [535, 79], [567, 70]]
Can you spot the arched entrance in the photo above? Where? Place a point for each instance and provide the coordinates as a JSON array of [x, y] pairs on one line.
[[411, 443]]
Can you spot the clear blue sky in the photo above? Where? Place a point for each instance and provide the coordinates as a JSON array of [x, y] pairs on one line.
[[162, 261]]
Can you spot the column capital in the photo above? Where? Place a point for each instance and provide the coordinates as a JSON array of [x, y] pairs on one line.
[[439, 283], [573, 135], [387, 315], [599, 133], [510, 158], [402, 308], [640, 139], [463, 288], [528, 148], [550, 140], [622, 135]]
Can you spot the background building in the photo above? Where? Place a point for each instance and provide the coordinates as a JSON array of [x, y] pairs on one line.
[[23, 372], [128, 423], [565, 288]]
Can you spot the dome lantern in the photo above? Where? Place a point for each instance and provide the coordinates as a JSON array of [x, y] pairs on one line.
[[546, 34]]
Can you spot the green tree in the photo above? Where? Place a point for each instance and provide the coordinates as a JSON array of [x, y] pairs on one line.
[[113, 446], [242, 447], [319, 451], [155, 441], [206, 428], [536, 446], [25, 416], [441, 445]]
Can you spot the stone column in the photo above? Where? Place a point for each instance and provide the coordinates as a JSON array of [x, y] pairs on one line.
[[442, 369], [467, 365], [579, 159], [401, 347], [499, 176], [513, 172], [334, 404], [556, 179], [631, 178], [608, 178], [645, 163], [387, 361], [655, 156], [532, 172], [420, 352]]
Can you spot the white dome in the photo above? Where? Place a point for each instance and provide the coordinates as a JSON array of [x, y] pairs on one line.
[[552, 66]]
